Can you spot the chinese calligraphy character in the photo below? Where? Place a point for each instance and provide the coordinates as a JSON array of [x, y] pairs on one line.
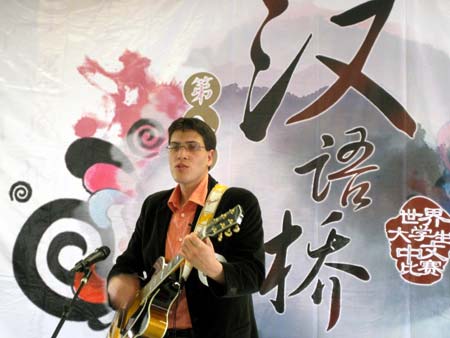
[[256, 121], [344, 155], [278, 272], [431, 213], [202, 89]]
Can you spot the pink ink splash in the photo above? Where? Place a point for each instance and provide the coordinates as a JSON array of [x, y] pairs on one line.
[[127, 93], [105, 176], [87, 126], [136, 87]]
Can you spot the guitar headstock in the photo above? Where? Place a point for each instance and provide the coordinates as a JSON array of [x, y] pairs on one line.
[[223, 224]]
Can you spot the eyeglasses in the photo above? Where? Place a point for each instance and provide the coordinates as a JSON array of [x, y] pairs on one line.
[[191, 147]]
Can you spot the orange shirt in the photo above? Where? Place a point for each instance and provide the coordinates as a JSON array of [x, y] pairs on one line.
[[179, 227]]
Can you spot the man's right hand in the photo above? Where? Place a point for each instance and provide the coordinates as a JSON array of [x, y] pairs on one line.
[[122, 290]]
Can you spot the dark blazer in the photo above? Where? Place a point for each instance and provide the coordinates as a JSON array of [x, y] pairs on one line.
[[217, 311]]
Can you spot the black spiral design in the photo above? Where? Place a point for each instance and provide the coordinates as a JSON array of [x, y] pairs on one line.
[[145, 137], [24, 259], [20, 192]]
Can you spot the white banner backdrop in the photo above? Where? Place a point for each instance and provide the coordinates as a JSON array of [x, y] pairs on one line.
[[334, 113]]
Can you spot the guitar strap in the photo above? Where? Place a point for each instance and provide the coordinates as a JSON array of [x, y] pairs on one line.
[[206, 215]]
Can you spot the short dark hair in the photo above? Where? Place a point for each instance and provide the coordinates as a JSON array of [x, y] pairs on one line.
[[195, 124]]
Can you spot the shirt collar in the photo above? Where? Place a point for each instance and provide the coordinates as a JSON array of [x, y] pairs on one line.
[[198, 196]]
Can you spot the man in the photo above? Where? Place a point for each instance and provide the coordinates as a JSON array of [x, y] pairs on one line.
[[216, 298]]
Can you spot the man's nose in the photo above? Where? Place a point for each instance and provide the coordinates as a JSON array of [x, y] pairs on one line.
[[182, 151]]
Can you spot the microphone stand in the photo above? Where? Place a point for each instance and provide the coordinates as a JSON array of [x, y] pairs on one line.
[[66, 310]]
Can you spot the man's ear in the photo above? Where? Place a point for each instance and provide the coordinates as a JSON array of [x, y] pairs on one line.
[[212, 158]]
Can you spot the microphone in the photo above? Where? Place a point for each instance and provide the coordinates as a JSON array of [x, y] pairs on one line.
[[97, 256]]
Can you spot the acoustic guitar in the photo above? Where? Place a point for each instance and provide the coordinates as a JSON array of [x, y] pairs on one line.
[[147, 317]]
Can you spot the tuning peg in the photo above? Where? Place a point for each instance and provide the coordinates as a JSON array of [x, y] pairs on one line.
[[220, 237], [236, 228], [228, 232]]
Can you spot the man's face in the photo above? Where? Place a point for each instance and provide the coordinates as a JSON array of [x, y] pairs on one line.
[[189, 164]]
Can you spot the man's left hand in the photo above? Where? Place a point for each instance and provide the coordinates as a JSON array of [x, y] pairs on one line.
[[202, 256]]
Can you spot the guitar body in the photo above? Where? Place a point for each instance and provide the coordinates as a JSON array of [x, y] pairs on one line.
[[146, 318]]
